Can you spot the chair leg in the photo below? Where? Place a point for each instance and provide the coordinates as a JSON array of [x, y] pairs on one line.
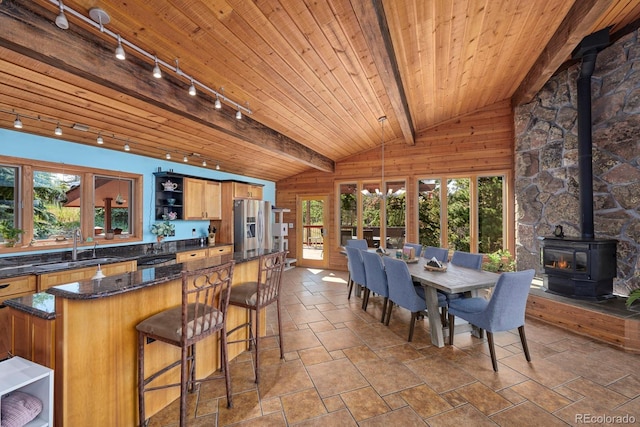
[[523, 339], [443, 315], [412, 325], [257, 338], [280, 339], [224, 364], [389, 308], [492, 350], [365, 299], [141, 415], [350, 288], [384, 308], [183, 386], [451, 326]]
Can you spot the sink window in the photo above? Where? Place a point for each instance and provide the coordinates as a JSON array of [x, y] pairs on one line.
[[58, 198]]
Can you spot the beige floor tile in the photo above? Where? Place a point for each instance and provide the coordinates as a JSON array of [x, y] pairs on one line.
[[482, 397], [307, 316], [526, 415], [440, 375], [340, 418], [628, 386], [315, 355], [402, 353], [404, 417], [360, 354], [335, 377], [278, 380], [299, 340], [333, 403], [364, 403], [425, 401], [465, 415], [339, 339], [323, 325], [302, 405], [245, 406], [275, 419], [388, 376], [547, 399]]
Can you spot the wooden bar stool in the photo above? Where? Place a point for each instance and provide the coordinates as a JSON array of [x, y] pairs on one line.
[[203, 312], [256, 296]]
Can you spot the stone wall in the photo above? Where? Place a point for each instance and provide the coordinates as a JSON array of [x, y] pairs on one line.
[[546, 154]]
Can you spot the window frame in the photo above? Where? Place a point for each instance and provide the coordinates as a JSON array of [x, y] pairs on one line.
[[26, 168]]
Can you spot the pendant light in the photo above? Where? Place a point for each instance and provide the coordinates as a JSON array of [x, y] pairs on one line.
[[192, 89], [218, 104], [17, 123], [156, 69], [61, 19], [58, 130], [99, 139], [120, 50]]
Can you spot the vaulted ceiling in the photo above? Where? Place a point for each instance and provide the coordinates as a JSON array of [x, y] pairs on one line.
[[315, 74]]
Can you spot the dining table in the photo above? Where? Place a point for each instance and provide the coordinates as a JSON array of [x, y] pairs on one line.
[[453, 279]]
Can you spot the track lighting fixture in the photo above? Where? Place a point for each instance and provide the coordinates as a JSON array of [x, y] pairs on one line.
[[192, 89], [17, 123], [185, 159], [61, 19], [120, 50], [156, 69], [239, 114], [218, 166], [204, 163], [218, 104], [126, 147], [99, 139], [168, 156], [58, 129]]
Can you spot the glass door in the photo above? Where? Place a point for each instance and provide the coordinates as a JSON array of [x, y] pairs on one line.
[[312, 232]]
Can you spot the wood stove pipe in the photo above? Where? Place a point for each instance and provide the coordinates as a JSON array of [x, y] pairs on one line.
[[587, 50]]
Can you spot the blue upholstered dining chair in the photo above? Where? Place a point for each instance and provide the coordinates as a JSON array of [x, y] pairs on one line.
[[416, 246], [357, 243], [441, 254], [504, 311], [466, 259], [356, 268], [402, 291], [376, 280]]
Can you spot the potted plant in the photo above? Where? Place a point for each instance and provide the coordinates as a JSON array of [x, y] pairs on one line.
[[500, 261], [163, 229], [633, 296], [10, 234]]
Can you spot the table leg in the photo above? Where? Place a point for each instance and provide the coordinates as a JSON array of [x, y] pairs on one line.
[[435, 325]]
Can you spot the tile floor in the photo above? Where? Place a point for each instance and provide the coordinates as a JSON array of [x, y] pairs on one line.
[[342, 367]]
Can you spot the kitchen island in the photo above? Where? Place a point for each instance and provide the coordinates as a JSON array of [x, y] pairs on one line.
[[96, 341]]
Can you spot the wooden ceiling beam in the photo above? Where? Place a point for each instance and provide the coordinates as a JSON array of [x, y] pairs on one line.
[[83, 54], [376, 31], [578, 23]]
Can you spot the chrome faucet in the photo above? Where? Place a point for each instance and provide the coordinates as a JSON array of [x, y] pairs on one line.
[[77, 236]]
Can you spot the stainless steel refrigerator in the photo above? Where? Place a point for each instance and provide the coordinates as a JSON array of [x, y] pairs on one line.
[[251, 225]]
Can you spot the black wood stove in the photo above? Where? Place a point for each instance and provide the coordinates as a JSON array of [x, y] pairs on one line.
[[582, 267]]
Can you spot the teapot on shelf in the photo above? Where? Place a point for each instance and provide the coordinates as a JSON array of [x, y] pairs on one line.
[[169, 186]]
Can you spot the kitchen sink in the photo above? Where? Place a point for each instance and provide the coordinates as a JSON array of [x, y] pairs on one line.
[[75, 264]]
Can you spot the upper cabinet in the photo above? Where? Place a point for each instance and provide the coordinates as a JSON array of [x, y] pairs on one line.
[[242, 190], [186, 197], [202, 199]]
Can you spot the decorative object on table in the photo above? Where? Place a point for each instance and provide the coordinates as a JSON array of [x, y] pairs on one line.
[[409, 254], [211, 237], [10, 234], [163, 229], [109, 234], [435, 265], [169, 186]]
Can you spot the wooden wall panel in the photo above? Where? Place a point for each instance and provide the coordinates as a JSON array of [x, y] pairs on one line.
[[479, 142]]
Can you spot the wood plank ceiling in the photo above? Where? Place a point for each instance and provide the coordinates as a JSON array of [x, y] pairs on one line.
[[316, 74]]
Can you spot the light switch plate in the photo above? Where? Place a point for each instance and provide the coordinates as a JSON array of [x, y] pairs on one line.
[[290, 225]]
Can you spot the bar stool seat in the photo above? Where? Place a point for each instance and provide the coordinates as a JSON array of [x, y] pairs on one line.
[[202, 313], [257, 295]]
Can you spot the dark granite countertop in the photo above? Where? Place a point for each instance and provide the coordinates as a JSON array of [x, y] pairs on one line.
[[43, 304]]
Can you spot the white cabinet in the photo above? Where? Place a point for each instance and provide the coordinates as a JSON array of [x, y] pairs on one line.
[[20, 374]]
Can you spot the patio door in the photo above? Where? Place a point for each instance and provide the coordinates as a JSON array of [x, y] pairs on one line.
[[312, 230]]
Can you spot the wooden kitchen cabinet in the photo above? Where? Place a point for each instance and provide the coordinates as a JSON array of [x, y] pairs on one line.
[[47, 280], [33, 337], [203, 253], [202, 199], [243, 190], [14, 287]]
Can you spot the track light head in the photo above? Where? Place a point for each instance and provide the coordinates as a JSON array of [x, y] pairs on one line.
[[99, 139], [239, 114], [218, 104], [156, 69], [126, 147], [120, 50], [17, 123], [204, 163], [61, 19], [185, 159], [192, 89], [218, 166], [168, 156], [58, 130]]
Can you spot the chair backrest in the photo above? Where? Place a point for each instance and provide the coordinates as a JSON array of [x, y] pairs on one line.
[[375, 274], [270, 277], [401, 288], [416, 246], [357, 243], [441, 254], [508, 302], [205, 299], [466, 259], [355, 264]]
